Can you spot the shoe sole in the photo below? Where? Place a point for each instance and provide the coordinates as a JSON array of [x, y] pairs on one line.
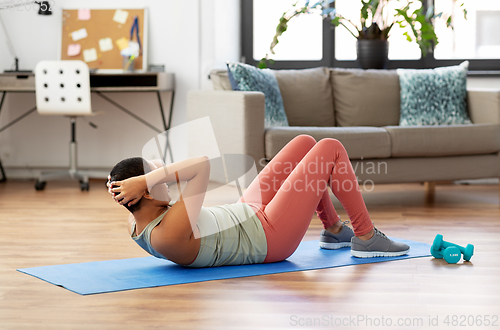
[[373, 254], [333, 246]]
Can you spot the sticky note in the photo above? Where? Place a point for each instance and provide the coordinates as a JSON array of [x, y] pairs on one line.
[[120, 16], [74, 49], [105, 44], [89, 55], [79, 34], [122, 43], [83, 14]]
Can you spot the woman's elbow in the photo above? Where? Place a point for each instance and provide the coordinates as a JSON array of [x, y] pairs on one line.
[[205, 161]]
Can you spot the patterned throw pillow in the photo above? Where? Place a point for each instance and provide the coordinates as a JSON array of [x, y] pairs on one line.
[[434, 96], [244, 77]]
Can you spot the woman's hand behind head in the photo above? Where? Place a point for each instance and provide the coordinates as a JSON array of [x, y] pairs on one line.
[[129, 191]]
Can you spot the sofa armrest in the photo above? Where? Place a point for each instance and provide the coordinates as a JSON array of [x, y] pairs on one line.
[[237, 119], [484, 106]]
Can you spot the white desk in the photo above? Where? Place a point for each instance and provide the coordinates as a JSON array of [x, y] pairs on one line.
[[155, 82]]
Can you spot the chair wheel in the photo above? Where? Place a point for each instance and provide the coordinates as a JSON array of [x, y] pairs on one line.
[[84, 186], [40, 185]]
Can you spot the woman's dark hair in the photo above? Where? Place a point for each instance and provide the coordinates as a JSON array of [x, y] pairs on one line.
[[128, 168]]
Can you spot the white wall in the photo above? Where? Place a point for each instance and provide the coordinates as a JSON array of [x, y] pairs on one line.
[[190, 37], [220, 36]]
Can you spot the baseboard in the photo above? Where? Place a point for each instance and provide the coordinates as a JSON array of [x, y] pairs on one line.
[[492, 181], [26, 173]]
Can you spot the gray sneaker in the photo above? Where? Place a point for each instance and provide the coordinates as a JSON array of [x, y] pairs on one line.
[[331, 241], [377, 246]]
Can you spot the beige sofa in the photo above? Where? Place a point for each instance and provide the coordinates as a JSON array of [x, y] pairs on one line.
[[360, 108]]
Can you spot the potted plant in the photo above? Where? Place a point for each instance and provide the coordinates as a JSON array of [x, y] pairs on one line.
[[373, 31]]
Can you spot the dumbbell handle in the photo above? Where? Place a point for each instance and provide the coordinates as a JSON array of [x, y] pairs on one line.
[[448, 244], [467, 251]]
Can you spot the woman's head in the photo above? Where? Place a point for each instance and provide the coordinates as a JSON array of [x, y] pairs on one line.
[[128, 168]]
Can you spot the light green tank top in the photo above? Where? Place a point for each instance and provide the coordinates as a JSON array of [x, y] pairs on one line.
[[231, 234]]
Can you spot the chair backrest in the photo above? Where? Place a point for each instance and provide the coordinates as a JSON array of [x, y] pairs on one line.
[[62, 88]]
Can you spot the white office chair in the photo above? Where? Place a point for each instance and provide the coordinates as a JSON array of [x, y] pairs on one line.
[[63, 88]]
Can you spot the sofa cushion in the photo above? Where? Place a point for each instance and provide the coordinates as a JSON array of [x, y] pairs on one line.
[[360, 142], [251, 79], [365, 97], [421, 169], [307, 96], [456, 140], [220, 80], [434, 96]]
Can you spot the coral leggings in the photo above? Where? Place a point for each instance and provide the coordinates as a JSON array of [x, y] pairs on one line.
[[295, 183]]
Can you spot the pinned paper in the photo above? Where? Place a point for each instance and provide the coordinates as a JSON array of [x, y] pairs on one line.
[[83, 14], [89, 55], [105, 44], [122, 43], [74, 49], [79, 34], [120, 16]]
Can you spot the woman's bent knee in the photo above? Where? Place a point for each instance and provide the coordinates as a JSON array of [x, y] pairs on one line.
[[301, 143], [304, 138], [331, 144]]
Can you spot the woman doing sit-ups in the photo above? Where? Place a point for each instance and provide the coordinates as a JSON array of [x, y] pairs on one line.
[[265, 225]]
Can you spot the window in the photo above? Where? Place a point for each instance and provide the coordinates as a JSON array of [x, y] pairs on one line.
[[307, 29], [311, 41], [473, 38], [345, 43], [307, 42]]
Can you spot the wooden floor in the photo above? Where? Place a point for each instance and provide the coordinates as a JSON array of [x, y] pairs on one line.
[[63, 225]]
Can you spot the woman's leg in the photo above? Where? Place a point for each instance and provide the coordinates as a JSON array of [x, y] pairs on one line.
[[289, 212], [264, 187]]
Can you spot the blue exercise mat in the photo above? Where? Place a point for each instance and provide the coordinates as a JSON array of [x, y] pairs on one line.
[[127, 274]]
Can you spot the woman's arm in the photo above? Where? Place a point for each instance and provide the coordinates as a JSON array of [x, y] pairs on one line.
[[196, 171], [159, 191], [131, 190]]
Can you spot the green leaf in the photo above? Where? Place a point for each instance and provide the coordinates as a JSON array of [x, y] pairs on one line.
[[429, 36], [364, 12], [438, 15], [426, 27], [420, 19], [335, 21], [408, 37], [386, 31], [448, 22], [403, 13]]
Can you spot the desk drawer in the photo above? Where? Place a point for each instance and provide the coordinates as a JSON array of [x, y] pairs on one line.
[[17, 83]]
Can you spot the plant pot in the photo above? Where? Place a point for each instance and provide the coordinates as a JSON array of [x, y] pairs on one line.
[[372, 54]]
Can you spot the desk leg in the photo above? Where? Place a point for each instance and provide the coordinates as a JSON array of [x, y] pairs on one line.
[[1, 102], [165, 126], [17, 119], [4, 178]]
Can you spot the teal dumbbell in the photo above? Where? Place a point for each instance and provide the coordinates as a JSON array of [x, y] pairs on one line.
[[451, 254], [440, 244]]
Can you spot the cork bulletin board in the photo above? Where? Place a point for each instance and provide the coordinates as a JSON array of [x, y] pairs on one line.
[[97, 36]]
